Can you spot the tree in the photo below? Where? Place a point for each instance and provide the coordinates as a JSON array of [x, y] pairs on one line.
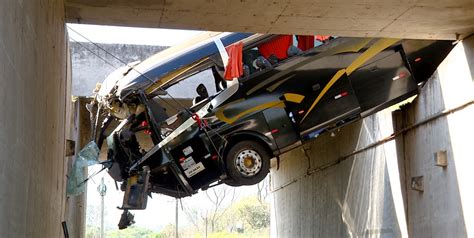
[[168, 231], [263, 190], [217, 196], [206, 218], [194, 216], [92, 232], [93, 215], [255, 213]]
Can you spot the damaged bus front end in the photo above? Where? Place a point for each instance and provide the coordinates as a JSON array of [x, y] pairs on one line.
[[130, 115]]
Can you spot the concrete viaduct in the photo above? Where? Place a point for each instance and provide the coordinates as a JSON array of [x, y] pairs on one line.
[[380, 177]]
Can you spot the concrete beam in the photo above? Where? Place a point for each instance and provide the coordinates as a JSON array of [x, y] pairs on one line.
[[389, 18]]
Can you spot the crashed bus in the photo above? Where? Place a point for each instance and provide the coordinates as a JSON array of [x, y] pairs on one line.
[[269, 94]]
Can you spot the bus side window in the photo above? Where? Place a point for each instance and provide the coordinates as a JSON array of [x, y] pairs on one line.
[[219, 80]]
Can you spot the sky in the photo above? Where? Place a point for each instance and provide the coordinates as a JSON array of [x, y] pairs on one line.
[[130, 35], [161, 209]]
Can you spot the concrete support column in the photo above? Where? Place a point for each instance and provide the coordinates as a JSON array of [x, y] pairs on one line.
[[445, 206], [33, 90], [75, 214]]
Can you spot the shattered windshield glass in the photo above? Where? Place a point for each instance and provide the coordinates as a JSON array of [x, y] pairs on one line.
[[77, 177]]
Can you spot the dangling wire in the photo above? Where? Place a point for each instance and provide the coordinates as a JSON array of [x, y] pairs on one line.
[[202, 124], [115, 57], [94, 53], [133, 68], [97, 172], [115, 67]]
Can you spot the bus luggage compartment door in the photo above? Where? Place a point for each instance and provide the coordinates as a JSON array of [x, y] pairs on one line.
[[383, 82], [281, 127], [335, 105]]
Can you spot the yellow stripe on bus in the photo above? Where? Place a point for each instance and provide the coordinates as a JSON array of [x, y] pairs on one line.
[[372, 51], [293, 97], [220, 113]]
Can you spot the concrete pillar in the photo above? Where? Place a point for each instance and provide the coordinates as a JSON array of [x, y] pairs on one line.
[[80, 132], [445, 206], [319, 191], [33, 90]]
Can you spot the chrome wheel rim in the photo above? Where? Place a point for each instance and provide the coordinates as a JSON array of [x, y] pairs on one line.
[[248, 163]]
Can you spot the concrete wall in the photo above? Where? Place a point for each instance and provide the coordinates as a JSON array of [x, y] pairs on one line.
[[79, 132], [445, 207], [323, 193], [91, 65], [314, 195], [33, 90]]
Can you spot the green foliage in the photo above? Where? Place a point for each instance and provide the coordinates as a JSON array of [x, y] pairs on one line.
[[92, 232], [254, 213], [168, 231], [133, 232], [248, 217]]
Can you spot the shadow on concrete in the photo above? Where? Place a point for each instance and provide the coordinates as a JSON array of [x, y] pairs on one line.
[[368, 207], [468, 45], [435, 211]]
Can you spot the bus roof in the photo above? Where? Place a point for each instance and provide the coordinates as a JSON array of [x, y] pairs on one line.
[[164, 66]]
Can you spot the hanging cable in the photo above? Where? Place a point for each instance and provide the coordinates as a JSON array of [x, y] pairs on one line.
[[131, 67], [106, 61], [202, 124], [94, 174], [115, 57], [94, 53]]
